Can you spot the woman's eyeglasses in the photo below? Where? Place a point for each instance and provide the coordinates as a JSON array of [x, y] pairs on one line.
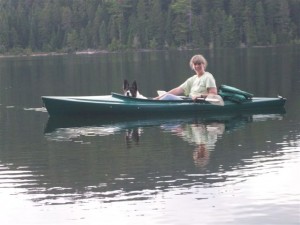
[[197, 63]]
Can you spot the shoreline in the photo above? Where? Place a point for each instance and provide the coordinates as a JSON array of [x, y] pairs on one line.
[[95, 51], [40, 54], [83, 52]]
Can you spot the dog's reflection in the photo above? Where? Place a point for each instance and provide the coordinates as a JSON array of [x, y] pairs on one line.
[[133, 136]]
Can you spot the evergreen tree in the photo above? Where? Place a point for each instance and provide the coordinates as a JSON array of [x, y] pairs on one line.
[[168, 30], [283, 22], [156, 24], [260, 24], [141, 23], [271, 11], [4, 31], [237, 12], [133, 40], [295, 20], [250, 31], [229, 33], [182, 23], [103, 36], [70, 25], [216, 27]]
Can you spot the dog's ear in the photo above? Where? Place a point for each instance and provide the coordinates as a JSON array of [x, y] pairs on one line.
[[125, 85], [134, 85]]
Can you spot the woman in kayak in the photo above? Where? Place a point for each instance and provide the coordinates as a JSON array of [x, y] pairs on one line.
[[200, 85]]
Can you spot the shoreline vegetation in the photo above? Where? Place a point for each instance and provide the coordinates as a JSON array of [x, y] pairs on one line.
[[39, 28], [37, 54], [97, 51], [81, 52]]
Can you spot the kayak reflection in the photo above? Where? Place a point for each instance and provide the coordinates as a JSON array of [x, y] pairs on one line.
[[172, 153], [203, 132]]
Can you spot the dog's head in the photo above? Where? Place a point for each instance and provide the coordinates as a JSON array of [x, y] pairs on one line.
[[130, 91]]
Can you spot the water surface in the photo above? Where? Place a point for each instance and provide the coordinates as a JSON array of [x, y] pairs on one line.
[[230, 169]]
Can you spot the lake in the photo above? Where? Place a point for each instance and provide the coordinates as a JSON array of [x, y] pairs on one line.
[[227, 169]]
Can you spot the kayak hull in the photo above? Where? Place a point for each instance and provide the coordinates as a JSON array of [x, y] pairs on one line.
[[116, 104]]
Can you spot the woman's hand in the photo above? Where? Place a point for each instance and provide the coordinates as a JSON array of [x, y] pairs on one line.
[[195, 97]]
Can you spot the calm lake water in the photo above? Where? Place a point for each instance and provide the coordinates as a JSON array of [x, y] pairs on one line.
[[231, 169]]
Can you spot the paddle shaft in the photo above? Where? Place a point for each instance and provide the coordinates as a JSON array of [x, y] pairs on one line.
[[208, 99]]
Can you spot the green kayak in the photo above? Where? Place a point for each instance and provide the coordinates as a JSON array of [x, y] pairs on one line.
[[235, 101]]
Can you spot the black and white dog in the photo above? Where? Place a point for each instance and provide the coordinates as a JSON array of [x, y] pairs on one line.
[[132, 91]]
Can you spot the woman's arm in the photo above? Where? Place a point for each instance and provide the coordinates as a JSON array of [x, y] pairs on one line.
[[174, 91], [210, 91]]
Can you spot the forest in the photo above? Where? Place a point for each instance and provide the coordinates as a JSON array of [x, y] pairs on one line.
[[28, 26]]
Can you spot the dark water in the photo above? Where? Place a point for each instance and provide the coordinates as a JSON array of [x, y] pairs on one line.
[[231, 169]]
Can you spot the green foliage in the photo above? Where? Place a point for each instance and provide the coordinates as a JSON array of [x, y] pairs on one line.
[[70, 25]]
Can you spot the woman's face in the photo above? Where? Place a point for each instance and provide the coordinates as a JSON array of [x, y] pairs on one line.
[[199, 68]]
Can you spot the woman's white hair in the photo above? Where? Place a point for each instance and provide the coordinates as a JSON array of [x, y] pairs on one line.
[[197, 59]]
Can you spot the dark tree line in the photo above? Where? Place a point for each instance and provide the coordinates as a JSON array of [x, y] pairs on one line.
[[70, 25]]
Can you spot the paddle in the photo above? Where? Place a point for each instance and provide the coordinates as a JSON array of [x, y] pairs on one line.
[[213, 99]]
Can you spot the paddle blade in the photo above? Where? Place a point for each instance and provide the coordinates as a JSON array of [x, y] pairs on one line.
[[215, 100], [160, 92]]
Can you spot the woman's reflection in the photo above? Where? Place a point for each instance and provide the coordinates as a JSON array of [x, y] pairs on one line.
[[201, 155], [202, 135]]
